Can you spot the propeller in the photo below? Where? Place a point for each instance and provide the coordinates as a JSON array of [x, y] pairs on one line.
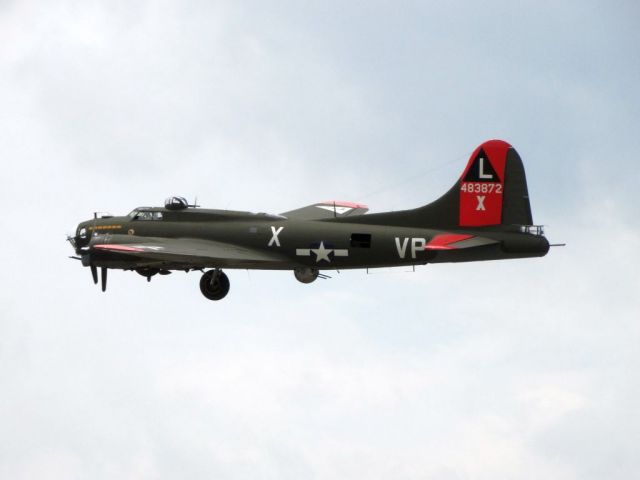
[[103, 272], [83, 248], [94, 273]]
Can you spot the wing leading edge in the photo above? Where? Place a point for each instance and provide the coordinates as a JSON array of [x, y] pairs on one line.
[[185, 252]]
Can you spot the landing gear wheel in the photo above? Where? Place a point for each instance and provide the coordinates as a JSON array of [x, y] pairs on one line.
[[306, 274], [214, 284]]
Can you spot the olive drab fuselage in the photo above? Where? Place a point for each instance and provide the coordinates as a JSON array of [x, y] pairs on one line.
[[485, 216]]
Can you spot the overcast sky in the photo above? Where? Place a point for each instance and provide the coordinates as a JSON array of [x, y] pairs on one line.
[[526, 369]]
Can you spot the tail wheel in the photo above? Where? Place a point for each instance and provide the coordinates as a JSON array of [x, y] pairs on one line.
[[214, 284], [306, 274]]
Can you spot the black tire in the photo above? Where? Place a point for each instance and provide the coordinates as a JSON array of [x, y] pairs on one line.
[[214, 284]]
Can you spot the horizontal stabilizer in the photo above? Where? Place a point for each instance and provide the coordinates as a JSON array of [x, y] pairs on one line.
[[455, 241]]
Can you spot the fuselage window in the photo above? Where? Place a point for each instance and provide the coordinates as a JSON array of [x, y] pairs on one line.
[[361, 240]]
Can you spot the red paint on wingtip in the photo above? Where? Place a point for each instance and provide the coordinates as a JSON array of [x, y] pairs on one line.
[[339, 203]]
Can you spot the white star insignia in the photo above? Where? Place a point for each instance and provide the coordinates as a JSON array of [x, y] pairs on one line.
[[322, 253]]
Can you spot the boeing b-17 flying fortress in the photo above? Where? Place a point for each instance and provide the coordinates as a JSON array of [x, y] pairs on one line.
[[486, 215]]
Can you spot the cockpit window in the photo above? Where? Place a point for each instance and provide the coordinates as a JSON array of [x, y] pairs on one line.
[[144, 216], [138, 214]]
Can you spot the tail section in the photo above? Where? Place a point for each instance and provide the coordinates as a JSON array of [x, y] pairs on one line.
[[492, 190]]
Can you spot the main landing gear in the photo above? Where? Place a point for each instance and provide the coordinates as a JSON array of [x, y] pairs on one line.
[[214, 284]]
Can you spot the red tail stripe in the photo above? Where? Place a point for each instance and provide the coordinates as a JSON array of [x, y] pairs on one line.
[[481, 206]]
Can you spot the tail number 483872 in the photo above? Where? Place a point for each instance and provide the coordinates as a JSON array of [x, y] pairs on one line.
[[481, 187]]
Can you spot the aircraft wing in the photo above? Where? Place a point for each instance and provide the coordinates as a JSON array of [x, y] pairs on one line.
[[182, 252], [328, 209]]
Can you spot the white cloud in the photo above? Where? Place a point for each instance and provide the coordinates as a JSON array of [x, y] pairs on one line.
[[497, 370]]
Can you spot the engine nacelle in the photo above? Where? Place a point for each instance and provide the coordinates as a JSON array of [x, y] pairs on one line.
[[306, 274]]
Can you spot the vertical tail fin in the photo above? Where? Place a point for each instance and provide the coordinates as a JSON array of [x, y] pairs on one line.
[[492, 190], [493, 187]]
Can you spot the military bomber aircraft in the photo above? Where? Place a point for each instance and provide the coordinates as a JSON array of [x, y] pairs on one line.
[[486, 215]]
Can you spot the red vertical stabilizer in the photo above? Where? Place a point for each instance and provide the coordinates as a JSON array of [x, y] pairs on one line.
[[482, 185]]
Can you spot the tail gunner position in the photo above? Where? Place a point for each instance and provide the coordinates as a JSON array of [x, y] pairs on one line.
[[485, 216]]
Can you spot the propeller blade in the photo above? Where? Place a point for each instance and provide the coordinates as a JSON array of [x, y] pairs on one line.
[[103, 272], [94, 274]]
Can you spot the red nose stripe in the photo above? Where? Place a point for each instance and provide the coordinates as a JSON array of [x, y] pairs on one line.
[[119, 248], [445, 241]]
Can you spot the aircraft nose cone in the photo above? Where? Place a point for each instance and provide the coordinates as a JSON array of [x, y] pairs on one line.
[[81, 238]]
